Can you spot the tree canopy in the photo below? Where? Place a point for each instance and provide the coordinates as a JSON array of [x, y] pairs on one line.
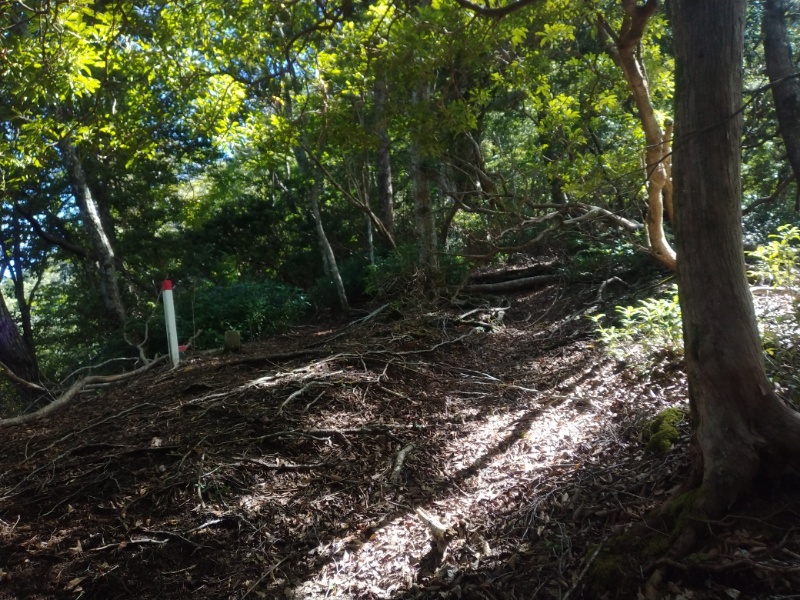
[[308, 142]]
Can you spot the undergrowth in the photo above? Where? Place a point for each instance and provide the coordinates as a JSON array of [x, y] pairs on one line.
[[649, 333]]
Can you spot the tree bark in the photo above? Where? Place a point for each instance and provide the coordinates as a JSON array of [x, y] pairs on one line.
[[101, 245], [18, 277], [740, 428], [624, 53], [328, 257], [384, 159], [424, 217], [782, 75], [14, 352]]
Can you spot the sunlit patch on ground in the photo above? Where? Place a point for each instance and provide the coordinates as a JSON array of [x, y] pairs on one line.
[[301, 478]]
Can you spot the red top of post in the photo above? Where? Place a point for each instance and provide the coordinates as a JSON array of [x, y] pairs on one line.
[[166, 285]]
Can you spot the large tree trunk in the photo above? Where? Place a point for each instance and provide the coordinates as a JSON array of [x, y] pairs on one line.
[[656, 143], [101, 245], [739, 426], [14, 352], [785, 84]]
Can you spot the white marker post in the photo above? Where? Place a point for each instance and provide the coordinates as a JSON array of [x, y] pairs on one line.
[[169, 316]]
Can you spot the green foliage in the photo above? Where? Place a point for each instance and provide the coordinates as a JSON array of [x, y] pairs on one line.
[[397, 274], [780, 329], [644, 332], [353, 272], [603, 254], [778, 258], [650, 331], [67, 332], [252, 308]]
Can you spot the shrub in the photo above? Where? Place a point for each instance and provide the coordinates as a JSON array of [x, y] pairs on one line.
[[353, 272], [778, 323], [397, 273], [777, 260], [646, 331], [252, 308]]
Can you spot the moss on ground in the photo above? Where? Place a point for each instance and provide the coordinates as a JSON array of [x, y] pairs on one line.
[[662, 430]]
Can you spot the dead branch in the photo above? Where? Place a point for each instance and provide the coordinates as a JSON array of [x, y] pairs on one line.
[[283, 464], [13, 377], [514, 285], [583, 572], [75, 389], [767, 290], [310, 404], [441, 533], [262, 358], [771, 198], [399, 460], [91, 367], [597, 212], [140, 346], [294, 395]]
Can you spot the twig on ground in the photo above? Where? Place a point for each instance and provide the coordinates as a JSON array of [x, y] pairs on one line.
[[441, 533], [310, 404], [371, 315], [294, 395], [260, 579], [605, 284], [399, 460], [284, 465], [583, 571]]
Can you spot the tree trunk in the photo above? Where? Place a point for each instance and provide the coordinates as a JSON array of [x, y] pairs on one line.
[[14, 353], [384, 159], [785, 84], [739, 426], [328, 257], [101, 245], [656, 175], [424, 217], [17, 273]]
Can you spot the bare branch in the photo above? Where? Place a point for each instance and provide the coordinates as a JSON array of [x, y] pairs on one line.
[[74, 390]]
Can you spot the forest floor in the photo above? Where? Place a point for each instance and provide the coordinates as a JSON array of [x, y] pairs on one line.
[[306, 465]]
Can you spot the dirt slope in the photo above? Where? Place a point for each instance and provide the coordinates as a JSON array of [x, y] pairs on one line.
[[261, 476]]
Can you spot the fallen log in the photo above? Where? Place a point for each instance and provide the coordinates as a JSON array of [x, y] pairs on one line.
[[513, 285]]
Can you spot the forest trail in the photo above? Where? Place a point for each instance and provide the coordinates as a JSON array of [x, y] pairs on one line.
[[239, 476]]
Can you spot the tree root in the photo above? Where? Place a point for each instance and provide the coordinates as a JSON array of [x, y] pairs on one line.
[[73, 390]]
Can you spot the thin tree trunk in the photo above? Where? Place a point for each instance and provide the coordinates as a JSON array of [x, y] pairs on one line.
[[18, 277], [384, 159], [424, 217], [101, 245], [624, 52], [328, 257], [370, 240], [739, 426], [785, 83]]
